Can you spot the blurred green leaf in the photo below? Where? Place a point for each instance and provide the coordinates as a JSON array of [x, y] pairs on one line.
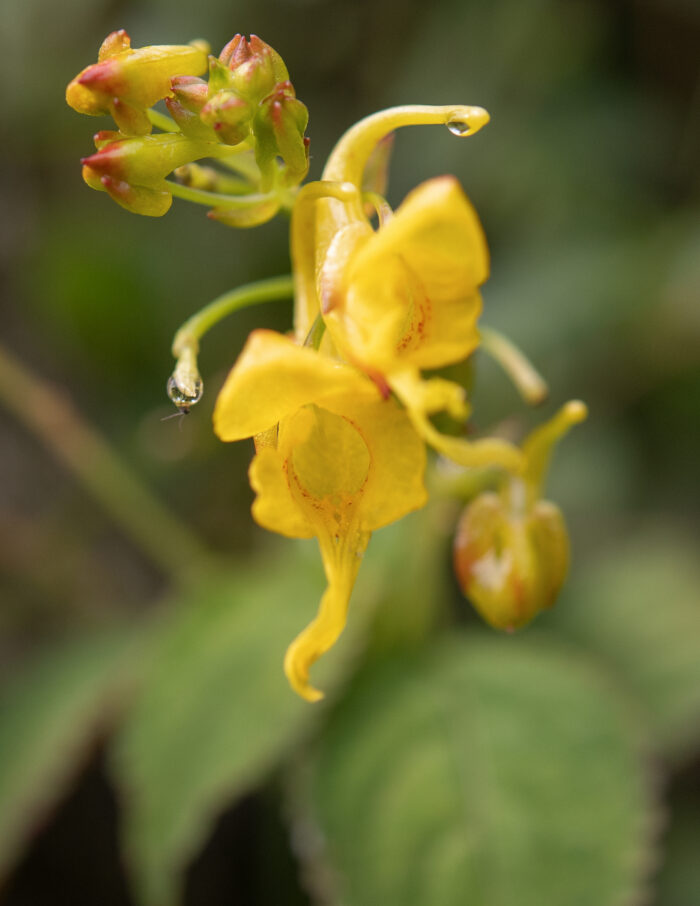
[[490, 771], [49, 716], [639, 608], [216, 713], [679, 880], [407, 560]]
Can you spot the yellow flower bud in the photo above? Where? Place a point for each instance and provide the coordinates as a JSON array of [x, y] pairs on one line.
[[133, 170], [228, 115], [190, 94], [511, 565], [279, 128], [511, 551], [255, 68], [126, 82]]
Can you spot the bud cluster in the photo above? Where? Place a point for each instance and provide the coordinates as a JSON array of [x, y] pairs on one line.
[[246, 115]]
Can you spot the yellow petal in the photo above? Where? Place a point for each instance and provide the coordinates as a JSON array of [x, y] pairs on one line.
[[341, 562], [273, 378], [274, 507], [409, 292], [338, 471], [437, 231], [329, 457], [423, 398], [394, 482]]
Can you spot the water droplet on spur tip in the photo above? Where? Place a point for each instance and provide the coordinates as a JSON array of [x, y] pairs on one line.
[[184, 401], [459, 127]]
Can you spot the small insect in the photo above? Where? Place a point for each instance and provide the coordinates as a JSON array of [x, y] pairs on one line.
[[182, 410]]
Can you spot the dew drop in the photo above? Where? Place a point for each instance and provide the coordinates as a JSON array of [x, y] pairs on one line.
[[184, 400], [459, 127]]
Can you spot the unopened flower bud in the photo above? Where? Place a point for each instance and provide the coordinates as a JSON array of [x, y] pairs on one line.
[[228, 115], [126, 82], [510, 564], [256, 77], [190, 94], [190, 91], [133, 170], [254, 66], [511, 552], [279, 129]]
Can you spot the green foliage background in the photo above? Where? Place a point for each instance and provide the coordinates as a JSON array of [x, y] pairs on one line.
[[448, 766]]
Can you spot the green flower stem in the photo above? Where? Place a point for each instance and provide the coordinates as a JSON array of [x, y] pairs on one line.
[[450, 482], [161, 121], [242, 163], [529, 383], [200, 177], [217, 199], [194, 328], [538, 445], [49, 414]]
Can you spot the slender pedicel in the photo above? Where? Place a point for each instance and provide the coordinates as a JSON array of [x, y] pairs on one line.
[[185, 384], [538, 446], [528, 381]]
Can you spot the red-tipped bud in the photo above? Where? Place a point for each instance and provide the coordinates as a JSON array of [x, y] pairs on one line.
[[234, 53], [105, 137], [115, 43], [279, 129], [255, 67], [126, 82], [133, 170], [510, 564], [190, 94], [229, 115]]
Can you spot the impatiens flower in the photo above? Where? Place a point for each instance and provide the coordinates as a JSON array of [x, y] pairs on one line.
[[341, 413], [511, 552], [126, 82], [334, 461], [405, 297]]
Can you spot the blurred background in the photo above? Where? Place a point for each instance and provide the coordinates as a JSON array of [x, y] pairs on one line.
[[587, 181]]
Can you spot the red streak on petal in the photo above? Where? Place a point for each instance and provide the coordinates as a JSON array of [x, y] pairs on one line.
[[378, 378]]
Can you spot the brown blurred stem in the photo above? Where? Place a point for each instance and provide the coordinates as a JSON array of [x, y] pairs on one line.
[[48, 412]]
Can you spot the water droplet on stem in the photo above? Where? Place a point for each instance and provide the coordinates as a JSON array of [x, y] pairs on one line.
[[459, 127], [184, 400]]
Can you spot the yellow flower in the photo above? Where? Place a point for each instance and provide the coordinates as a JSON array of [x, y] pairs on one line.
[[405, 297], [334, 460]]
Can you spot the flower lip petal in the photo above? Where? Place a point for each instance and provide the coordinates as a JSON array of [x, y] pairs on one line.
[[437, 229], [274, 377]]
